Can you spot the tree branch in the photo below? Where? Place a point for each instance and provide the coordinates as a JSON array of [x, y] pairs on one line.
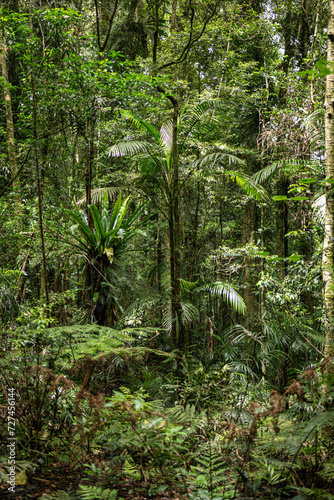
[[111, 20], [191, 40]]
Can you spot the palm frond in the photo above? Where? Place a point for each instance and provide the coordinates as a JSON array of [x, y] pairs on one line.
[[314, 125], [289, 167], [130, 148], [141, 124], [167, 319], [217, 159], [97, 195], [319, 206], [228, 293], [255, 191], [190, 313], [190, 116], [166, 136], [265, 173]]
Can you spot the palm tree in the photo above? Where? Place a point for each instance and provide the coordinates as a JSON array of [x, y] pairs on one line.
[[158, 177]]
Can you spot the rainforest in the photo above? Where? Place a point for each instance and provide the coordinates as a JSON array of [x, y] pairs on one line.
[[167, 249]]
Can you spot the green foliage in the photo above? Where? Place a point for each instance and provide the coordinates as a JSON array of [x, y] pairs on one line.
[[227, 292], [93, 492], [112, 231], [245, 410], [85, 493]]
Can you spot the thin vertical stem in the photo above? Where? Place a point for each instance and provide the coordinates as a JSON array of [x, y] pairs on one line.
[[37, 166]]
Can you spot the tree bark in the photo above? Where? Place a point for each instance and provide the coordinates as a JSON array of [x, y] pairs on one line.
[[173, 15], [328, 249]]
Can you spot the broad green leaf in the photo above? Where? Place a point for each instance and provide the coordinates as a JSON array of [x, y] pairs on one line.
[[295, 257], [280, 198], [308, 180]]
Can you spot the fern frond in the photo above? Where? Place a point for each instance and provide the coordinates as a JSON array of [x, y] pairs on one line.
[[95, 493], [187, 286]]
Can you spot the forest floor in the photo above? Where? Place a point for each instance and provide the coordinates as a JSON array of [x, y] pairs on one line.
[[60, 479]]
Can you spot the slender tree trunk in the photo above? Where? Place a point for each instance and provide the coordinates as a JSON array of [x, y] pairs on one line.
[[282, 226], [173, 15], [178, 330], [9, 114], [172, 276], [177, 234], [44, 274], [263, 246], [155, 34], [328, 249], [89, 168], [195, 231], [248, 275]]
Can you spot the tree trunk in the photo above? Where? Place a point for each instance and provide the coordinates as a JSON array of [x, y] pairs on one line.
[[194, 238], [328, 249], [176, 287], [173, 15], [44, 273], [9, 115], [282, 226], [248, 275], [89, 167]]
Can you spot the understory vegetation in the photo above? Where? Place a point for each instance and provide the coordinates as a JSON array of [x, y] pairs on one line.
[[166, 250]]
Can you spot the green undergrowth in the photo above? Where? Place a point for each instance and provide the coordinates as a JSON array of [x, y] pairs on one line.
[[137, 421]]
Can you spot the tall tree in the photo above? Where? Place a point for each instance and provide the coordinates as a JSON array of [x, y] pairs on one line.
[[328, 249]]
